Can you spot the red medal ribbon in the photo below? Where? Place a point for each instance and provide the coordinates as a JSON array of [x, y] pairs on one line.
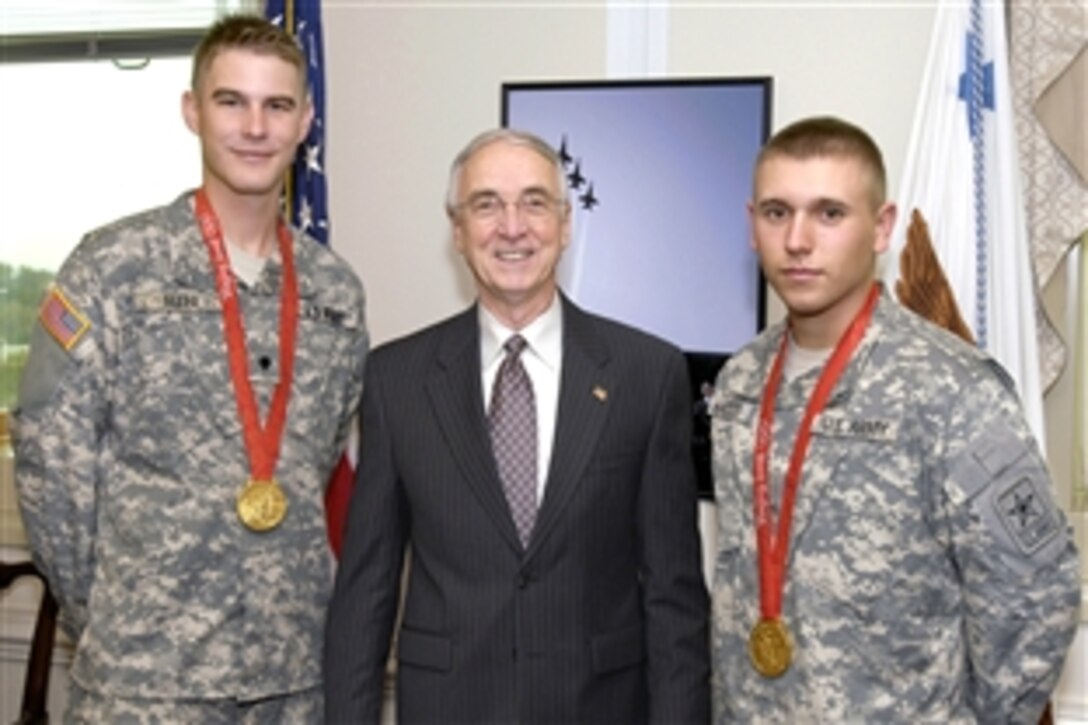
[[262, 442], [773, 551]]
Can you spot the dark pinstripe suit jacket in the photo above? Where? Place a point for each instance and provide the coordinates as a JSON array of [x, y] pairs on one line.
[[601, 619]]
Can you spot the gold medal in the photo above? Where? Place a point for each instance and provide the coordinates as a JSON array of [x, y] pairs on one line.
[[262, 505], [770, 648]]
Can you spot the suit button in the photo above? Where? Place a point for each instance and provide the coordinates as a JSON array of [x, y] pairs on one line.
[[523, 580]]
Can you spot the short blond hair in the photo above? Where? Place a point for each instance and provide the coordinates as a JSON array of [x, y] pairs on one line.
[[829, 136], [248, 32]]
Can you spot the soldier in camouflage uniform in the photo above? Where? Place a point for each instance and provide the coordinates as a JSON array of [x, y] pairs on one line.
[[930, 575], [130, 453]]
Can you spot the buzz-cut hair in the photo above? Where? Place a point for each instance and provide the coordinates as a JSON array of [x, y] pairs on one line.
[[246, 32], [510, 136], [829, 136]]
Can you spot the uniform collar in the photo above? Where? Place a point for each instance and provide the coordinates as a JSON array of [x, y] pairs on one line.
[[188, 256], [748, 370]]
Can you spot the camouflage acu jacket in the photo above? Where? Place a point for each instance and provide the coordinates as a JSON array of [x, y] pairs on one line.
[[931, 576], [130, 456]]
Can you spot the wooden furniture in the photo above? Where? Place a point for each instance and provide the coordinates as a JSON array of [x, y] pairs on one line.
[[36, 686]]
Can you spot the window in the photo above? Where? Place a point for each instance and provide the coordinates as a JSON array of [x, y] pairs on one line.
[[35, 17], [86, 141], [83, 144]]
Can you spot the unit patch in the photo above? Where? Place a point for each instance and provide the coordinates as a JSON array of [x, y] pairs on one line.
[[1026, 514]]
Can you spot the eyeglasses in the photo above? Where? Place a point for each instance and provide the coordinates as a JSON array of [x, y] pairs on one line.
[[490, 207]]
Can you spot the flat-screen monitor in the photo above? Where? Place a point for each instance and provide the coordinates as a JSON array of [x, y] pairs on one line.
[[659, 173]]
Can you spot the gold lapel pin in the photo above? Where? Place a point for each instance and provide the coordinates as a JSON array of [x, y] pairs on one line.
[[600, 393]]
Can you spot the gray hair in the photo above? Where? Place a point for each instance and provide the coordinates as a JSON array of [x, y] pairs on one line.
[[504, 135]]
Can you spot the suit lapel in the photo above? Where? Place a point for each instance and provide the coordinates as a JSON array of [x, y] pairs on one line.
[[584, 389], [457, 400]]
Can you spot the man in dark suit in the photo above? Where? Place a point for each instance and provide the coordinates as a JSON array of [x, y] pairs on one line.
[[546, 491]]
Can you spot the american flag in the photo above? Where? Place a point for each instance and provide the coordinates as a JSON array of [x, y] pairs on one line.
[[306, 197], [62, 320], [306, 200]]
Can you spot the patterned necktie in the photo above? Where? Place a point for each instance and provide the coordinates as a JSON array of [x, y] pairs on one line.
[[512, 420]]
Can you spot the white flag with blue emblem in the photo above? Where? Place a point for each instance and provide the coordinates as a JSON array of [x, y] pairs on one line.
[[962, 174]]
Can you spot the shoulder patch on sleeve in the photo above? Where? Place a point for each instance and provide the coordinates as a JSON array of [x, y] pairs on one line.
[[62, 320], [1003, 479], [1027, 513]]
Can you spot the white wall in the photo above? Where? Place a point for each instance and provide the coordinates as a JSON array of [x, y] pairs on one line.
[[410, 84], [863, 63]]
